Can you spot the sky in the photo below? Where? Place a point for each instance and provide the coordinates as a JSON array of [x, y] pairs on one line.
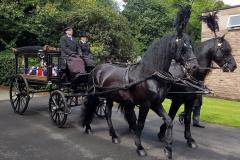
[[229, 2]]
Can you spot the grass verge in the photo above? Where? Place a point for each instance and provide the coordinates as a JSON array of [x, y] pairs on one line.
[[218, 111]]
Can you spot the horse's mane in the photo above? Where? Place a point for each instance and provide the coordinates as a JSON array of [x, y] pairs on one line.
[[160, 51]]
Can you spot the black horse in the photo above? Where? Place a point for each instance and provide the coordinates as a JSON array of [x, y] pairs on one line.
[[149, 93], [138, 84], [216, 50]]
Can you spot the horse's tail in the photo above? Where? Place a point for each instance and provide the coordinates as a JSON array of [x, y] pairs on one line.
[[88, 110]]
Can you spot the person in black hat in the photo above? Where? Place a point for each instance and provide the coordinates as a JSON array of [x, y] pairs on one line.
[[196, 113], [69, 47], [86, 52]]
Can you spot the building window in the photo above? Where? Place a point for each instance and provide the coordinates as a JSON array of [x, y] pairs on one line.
[[233, 22]]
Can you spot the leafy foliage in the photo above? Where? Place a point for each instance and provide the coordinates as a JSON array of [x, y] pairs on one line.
[[7, 68], [113, 35], [149, 19], [39, 22]]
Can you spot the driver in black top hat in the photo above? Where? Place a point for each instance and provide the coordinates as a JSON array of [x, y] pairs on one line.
[[69, 46]]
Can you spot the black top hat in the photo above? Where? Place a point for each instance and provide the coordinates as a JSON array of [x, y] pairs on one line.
[[83, 34], [67, 26]]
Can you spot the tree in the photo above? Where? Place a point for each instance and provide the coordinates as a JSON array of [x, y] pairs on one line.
[[39, 22], [149, 19]]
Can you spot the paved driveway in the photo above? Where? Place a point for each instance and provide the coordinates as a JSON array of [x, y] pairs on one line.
[[34, 137]]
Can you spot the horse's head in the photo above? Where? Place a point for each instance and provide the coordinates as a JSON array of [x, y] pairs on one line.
[[223, 55], [184, 53]]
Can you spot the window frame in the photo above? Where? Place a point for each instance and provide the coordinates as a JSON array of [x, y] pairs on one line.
[[232, 26]]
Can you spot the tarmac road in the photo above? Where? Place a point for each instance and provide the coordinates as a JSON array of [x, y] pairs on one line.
[[34, 137]]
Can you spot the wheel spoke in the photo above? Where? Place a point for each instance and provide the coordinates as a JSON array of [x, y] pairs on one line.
[[16, 87], [97, 110], [23, 103], [61, 116], [101, 111], [15, 99], [18, 104], [54, 102], [54, 116], [58, 119]]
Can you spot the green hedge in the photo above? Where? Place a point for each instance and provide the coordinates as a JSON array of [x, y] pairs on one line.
[[7, 69]]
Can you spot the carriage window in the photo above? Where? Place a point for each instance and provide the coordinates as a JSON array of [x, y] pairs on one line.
[[233, 21], [55, 66], [32, 66]]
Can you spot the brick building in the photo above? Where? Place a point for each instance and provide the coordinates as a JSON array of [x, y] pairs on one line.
[[226, 85]]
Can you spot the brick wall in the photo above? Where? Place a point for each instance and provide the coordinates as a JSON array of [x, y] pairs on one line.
[[225, 85]]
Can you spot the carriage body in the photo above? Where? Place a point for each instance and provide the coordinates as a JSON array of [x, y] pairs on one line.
[[37, 69]]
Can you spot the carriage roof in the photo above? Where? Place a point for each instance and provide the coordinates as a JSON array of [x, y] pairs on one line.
[[34, 50]]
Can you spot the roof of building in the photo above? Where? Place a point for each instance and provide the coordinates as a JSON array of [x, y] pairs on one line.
[[224, 8]]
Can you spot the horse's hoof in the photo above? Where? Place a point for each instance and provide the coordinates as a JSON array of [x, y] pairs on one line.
[[141, 152], [168, 153], [161, 137], [192, 144], [115, 140], [89, 131]]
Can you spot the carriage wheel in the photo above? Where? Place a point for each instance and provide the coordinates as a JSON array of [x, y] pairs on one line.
[[58, 108], [19, 94], [101, 109]]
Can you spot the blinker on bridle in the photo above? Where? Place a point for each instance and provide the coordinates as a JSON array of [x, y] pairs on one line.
[[225, 61], [187, 60]]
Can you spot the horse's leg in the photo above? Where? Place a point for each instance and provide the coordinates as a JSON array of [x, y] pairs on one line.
[[187, 121], [112, 132], [130, 116], [143, 111], [169, 125], [88, 112], [172, 113]]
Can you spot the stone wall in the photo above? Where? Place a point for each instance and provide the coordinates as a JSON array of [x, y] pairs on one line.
[[225, 85]]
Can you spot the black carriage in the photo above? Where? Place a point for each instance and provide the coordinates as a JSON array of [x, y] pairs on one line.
[[37, 70]]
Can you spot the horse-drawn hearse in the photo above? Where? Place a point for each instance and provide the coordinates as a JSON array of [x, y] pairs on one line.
[[37, 70], [145, 84]]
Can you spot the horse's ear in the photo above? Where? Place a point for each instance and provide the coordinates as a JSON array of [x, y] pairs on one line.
[[222, 38]]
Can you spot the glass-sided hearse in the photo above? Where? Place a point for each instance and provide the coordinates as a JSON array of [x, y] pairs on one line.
[[37, 70]]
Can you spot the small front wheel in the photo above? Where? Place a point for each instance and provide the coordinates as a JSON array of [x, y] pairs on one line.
[[101, 109], [58, 108]]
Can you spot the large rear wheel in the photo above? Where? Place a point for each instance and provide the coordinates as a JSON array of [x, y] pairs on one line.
[[58, 108], [19, 94]]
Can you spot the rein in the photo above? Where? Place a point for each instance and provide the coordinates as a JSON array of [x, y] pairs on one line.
[[161, 75]]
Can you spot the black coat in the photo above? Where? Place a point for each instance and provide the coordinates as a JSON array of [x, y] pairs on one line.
[[68, 46], [84, 48]]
